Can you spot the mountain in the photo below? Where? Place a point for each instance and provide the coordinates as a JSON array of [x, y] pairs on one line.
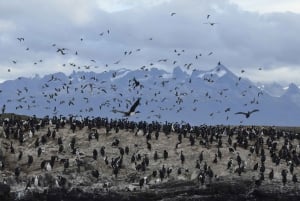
[[292, 90], [200, 97], [292, 93], [273, 89]]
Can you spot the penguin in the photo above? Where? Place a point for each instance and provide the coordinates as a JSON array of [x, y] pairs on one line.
[[36, 181], [48, 167]]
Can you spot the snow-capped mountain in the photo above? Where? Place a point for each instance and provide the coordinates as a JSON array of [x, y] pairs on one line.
[[200, 97], [292, 93], [274, 89]]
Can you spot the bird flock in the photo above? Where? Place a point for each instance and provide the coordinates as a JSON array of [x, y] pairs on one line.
[[137, 155], [142, 153], [58, 93]]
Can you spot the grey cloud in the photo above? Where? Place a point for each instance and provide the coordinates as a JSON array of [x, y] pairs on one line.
[[241, 39]]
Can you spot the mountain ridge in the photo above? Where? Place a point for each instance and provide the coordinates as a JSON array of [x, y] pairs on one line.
[[199, 97]]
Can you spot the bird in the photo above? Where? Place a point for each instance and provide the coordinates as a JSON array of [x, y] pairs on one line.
[[17, 171], [255, 166], [247, 114], [48, 167], [136, 83], [36, 181], [20, 155], [61, 50], [271, 174], [21, 39], [182, 158], [211, 23], [141, 182], [30, 160], [165, 154], [95, 173], [131, 110], [294, 179], [172, 14]]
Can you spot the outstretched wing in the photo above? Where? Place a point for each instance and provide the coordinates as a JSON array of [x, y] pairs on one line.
[[255, 110], [133, 107], [119, 111], [244, 113]]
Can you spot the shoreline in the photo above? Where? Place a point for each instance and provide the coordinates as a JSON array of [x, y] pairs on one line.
[[98, 158], [174, 190]]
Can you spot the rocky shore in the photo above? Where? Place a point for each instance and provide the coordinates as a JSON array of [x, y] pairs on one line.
[[237, 189], [127, 163]]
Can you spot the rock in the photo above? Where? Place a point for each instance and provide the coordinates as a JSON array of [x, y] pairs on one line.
[[4, 192], [195, 174], [1, 155]]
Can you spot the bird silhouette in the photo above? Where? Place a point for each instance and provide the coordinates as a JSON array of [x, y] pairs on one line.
[[131, 110], [210, 23], [20, 39], [247, 114], [61, 50]]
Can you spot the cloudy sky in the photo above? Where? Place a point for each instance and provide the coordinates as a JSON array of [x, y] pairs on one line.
[[100, 35]]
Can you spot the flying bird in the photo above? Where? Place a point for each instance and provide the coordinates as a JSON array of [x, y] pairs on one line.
[[173, 14], [131, 110], [211, 23], [61, 50], [247, 114], [136, 83], [20, 39]]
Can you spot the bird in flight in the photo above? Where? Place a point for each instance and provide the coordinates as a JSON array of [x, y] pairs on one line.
[[131, 110], [135, 83], [247, 114], [173, 14], [20, 39], [210, 23], [61, 50]]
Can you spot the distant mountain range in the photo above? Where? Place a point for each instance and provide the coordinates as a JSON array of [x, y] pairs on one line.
[[201, 97]]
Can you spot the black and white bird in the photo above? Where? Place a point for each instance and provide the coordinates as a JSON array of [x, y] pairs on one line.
[[131, 110]]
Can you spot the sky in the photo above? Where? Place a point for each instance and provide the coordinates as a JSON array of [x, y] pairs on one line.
[[257, 36]]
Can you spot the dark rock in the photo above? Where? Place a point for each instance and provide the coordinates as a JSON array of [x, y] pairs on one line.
[[1, 154], [4, 192], [233, 190]]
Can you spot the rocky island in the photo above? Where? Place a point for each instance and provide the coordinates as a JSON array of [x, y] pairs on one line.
[[72, 158]]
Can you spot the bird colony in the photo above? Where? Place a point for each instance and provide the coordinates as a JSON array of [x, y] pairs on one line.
[[98, 152], [107, 154]]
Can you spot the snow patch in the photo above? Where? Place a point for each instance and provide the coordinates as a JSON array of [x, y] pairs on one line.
[[120, 74], [167, 76]]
